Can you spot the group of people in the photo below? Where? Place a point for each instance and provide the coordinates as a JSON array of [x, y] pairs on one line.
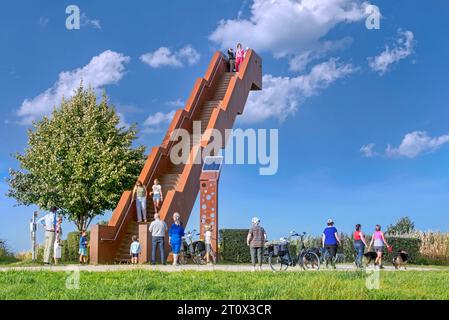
[[159, 229], [331, 241], [236, 57], [52, 224], [140, 194]]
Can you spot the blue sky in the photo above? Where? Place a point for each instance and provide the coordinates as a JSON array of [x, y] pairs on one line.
[[338, 93]]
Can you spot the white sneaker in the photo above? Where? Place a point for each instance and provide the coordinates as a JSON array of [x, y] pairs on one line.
[[260, 268]]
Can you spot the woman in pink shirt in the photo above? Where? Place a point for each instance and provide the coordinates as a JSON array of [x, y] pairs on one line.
[[379, 242], [239, 55]]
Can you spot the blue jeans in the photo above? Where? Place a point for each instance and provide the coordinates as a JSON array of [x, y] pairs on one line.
[[360, 250], [141, 208], [157, 242]]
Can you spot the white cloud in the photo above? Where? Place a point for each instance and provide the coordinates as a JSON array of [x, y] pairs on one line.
[[86, 21], [300, 61], [288, 27], [178, 103], [104, 69], [154, 122], [416, 143], [367, 150], [188, 53], [402, 48], [281, 96], [164, 57]]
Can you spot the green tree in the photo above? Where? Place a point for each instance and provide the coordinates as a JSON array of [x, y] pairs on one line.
[[5, 252], [78, 160], [403, 226]]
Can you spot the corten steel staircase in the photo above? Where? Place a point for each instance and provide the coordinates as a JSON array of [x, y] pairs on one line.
[[215, 100]]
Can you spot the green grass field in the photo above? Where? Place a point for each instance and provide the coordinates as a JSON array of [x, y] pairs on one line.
[[143, 284]]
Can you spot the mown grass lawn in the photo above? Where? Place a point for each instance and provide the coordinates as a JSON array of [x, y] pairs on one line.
[[144, 284]]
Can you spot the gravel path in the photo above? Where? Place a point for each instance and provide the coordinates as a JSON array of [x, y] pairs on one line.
[[170, 268]]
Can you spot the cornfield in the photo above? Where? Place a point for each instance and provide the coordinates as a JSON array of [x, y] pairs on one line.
[[434, 247]]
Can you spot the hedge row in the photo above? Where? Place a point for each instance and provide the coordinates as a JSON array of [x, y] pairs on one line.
[[233, 246]]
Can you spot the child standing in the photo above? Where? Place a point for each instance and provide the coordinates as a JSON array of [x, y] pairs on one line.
[[83, 247], [208, 242], [58, 237], [157, 195], [134, 250]]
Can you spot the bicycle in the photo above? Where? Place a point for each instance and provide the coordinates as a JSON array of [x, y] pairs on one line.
[[280, 257], [192, 249]]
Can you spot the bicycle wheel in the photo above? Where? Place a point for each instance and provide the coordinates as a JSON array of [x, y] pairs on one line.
[[310, 261], [182, 258], [277, 263], [198, 259]]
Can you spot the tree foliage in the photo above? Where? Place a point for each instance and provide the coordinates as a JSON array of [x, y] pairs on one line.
[[403, 226], [78, 160]]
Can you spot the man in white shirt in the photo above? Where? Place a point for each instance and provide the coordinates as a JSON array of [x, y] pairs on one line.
[[158, 229], [49, 223]]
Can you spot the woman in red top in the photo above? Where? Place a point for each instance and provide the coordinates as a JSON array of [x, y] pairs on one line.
[[359, 245], [239, 55]]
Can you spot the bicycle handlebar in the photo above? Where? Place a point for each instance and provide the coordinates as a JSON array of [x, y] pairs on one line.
[[296, 234]]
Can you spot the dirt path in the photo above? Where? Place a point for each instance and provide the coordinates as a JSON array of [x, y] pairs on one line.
[[170, 268]]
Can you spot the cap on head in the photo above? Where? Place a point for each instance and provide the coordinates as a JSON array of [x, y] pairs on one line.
[[330, 221], [255, 220], [176, 216]]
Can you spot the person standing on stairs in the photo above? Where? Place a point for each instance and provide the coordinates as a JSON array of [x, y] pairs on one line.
[[175, 235], [239, 56], [140, 195], [231, 58], [157, 195], [158, 229]]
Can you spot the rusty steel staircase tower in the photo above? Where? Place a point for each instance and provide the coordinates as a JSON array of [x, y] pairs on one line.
[[215, 100]]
